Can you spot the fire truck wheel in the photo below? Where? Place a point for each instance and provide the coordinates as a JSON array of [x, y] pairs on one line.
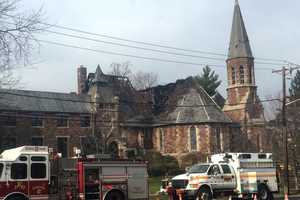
[[114, 195], [264, 192], [16, 197], [204, 193]]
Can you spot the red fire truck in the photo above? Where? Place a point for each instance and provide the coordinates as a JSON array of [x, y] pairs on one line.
[[29, 172]]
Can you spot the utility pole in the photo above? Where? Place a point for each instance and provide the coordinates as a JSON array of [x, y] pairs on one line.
[[284, 71]]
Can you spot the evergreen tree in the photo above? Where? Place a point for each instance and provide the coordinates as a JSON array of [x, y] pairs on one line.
[[295, 86], [209, 80]]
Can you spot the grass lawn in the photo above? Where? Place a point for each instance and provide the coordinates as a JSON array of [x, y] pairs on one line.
[[154, 187], [154, 184]]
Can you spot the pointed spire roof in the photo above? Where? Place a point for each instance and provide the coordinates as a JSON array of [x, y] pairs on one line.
[[99, 75], [239, 43]]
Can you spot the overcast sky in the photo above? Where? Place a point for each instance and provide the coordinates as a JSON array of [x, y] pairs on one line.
[[272, 26]]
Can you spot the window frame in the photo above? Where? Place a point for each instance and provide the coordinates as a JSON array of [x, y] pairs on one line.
[[161, 140], [242, 74], [36, 118], [224, 171], [44, 161], [38, 163], [82, 123], [218, 139], [233, 75], [210, 171], [11, 170], [250, 76], [1, 169], [194, 143], [40, 137], [62, 118], [7, 119]]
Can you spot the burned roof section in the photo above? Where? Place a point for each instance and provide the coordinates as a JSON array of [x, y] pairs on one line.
[[185, 102], [182, 102]]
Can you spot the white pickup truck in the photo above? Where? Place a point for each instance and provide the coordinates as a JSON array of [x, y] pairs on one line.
[[236, 175]]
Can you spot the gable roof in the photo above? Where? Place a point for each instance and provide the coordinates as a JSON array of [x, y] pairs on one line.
[[187, 102], [182, 102], [239, 43], [37, 101]]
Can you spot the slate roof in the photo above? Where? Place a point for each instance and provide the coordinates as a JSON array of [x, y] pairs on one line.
[[182, 102], [37, 101], [239, 43], [187, 102]]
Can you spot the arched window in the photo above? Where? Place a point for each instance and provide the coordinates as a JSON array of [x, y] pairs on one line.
[[193, 139], [218, 140], [232, 75], [161, 139], [250, 75], [242, 75]]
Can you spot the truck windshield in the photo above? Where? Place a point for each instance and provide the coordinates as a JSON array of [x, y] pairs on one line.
[[198, 169]]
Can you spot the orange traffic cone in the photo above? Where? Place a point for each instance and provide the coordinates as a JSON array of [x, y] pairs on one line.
[[255, 197], [286, 196]]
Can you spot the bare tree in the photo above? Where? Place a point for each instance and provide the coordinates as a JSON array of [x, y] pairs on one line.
[[272, 108], [121, 69], [139, 80], [143, 80], [17, 38]]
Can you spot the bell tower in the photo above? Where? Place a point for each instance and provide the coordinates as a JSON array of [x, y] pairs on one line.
[[242, 104]]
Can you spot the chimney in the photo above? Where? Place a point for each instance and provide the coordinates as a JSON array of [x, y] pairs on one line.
[[81, 79]]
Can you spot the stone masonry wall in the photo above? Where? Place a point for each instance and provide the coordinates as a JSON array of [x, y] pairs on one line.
[[176, 139]]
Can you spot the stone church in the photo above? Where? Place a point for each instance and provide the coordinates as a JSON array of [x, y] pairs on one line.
[[108, 115]]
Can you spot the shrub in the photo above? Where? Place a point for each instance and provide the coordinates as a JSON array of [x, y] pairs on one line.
[[160, 165], [190, 159]]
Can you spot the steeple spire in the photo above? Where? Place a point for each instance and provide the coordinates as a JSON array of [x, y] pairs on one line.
[[239, 46], [99, 75]]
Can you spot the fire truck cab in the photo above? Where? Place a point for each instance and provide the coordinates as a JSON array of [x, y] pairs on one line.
[[32, 173], [24, 173]]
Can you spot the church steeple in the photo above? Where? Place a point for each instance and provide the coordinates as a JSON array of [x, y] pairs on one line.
[[239, 46], [241, 91], [242, 103]]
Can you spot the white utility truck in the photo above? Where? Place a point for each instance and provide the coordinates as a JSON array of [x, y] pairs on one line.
[[236, 175]]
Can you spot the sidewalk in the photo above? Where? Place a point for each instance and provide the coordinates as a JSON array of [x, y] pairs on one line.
[[292, 196]]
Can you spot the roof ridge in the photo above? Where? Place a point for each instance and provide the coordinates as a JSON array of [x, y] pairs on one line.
[[37, 91], [218, 107], [203, 105]]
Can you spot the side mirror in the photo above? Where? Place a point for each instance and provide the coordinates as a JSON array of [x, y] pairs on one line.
[[187, 169]]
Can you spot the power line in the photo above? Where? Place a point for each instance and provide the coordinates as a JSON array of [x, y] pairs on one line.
[[131, 46], [126, 55], [140, 57], [154, 50], [135, 41], [147, 49]]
